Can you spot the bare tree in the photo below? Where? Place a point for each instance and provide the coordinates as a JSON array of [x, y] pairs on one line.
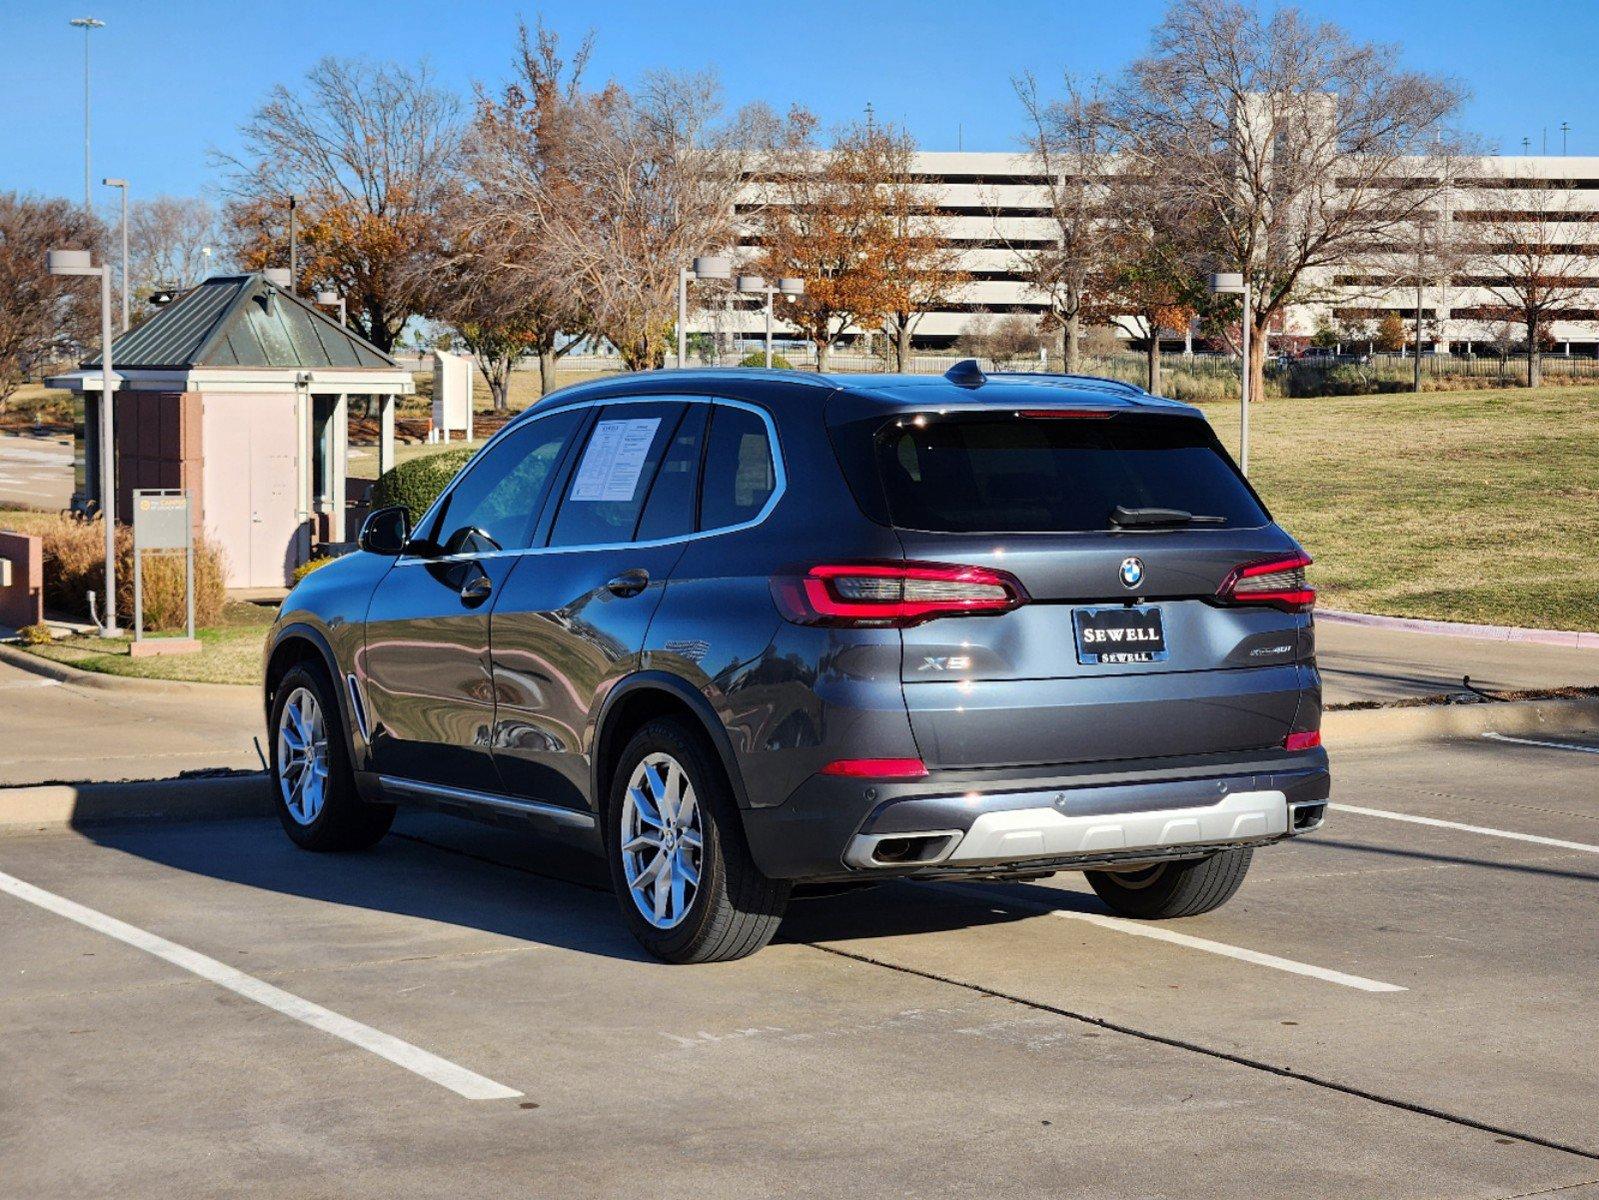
[[42, 317], [1295, 148], [1071, 147], [167, 236], [647, 181], [370, 148], [1529, 261]]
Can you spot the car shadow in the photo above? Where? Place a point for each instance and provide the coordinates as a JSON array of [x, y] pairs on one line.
[[507, 882]]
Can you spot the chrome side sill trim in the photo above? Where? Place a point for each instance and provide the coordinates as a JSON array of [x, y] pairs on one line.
[[533, 808]]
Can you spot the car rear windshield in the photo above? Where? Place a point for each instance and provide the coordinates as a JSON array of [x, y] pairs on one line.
[[1025, 474]]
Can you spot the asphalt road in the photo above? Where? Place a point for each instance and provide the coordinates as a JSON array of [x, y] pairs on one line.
[[907, 1041], [36, 470]]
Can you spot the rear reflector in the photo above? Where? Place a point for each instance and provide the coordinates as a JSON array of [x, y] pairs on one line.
[[892, 595], [1279, 582], [1302, 741], [877, 768]]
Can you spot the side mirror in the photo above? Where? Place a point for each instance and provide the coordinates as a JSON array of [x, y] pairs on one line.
[[385, 531]]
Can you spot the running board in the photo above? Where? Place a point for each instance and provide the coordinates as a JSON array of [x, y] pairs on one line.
[[443, 793]]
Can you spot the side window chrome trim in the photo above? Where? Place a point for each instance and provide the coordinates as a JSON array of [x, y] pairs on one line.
[[779, 474]]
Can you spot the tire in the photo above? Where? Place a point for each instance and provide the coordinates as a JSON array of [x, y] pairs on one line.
[[1173, 889], [337, 818], [731, 910]]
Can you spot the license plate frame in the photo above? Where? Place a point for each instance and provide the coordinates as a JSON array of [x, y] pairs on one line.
[[1143, 619]]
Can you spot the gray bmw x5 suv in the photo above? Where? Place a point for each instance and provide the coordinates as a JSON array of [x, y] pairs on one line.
[[742, 632]]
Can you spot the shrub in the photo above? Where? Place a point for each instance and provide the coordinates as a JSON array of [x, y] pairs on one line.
[[305, 568], [758, 359], [36, 635], [73, 551], [417, 483]]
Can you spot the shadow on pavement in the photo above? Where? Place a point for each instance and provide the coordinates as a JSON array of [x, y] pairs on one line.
[[507, 882]]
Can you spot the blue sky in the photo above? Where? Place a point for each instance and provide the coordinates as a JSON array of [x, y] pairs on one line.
[[174, 78]]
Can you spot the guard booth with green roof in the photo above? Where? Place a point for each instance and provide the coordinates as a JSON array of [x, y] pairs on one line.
[[239, 392]]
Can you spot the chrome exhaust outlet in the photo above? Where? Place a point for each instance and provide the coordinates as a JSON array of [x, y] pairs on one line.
[[1306, 815], [877, 851]]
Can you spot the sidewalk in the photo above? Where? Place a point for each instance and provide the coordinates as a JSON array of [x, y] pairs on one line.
[[52, 732], [1363, 663]]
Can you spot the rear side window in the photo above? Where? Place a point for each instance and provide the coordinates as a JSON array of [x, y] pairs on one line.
[[614, 471], [1039, 474], [739, 473], [669, 512]]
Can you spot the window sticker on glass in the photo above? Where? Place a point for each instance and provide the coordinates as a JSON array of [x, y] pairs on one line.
[[614, 459]]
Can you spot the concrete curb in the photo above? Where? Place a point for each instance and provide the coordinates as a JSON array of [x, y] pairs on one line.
[[1570, 639], [62, 673], [1426, 722], [198, 798]]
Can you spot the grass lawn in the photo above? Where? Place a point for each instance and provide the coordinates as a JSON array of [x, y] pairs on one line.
[[230, 651], [1460, 506]]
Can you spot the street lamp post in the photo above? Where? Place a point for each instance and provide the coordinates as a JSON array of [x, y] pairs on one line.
[[88, 25], [1235, 283], [77, 262], [293, 242], [711, 267], [122, 184], [755, 285], [205, 263], [329, 299]]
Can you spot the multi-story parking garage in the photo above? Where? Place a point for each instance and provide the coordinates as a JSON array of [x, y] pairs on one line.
[[994, 208]]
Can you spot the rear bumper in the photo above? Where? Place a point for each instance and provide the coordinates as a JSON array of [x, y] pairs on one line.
[[1073, 819]]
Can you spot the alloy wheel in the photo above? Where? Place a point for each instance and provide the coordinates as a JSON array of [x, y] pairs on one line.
[[303, 756], [662, 841]]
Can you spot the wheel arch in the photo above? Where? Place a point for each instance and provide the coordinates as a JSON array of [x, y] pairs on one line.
[[641, 698], [299, 643]]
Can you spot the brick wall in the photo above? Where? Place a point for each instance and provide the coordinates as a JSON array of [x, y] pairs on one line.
[[158, 446], [23, 602]]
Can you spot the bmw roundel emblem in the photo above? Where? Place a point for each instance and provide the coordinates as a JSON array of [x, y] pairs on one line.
[[1132, 572]]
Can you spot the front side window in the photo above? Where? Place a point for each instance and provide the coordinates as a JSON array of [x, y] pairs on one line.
[[740, 475], [497, 500], [606, 491]]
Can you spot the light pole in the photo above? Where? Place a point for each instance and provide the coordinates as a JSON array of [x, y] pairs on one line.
[[755, 285], [711, 267], [328, 300], [123, 185], [1234, 283], [205, 263], [294, 241], [88, 25], [77, 262]]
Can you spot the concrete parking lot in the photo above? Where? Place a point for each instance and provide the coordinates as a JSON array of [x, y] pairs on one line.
[[1401, 1005]]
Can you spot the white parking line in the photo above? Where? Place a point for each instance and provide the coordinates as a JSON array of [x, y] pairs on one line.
[[1484, 829], [1505, 737], [413, 1058], [1159, 934]]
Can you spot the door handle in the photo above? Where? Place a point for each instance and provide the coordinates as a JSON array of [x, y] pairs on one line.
[[629, 583], [477, 587]]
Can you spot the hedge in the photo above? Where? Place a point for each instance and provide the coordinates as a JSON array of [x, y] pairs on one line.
[[417, 483]]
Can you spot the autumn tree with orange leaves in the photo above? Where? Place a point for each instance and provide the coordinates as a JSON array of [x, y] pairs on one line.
[[370, 149], [826, 220]]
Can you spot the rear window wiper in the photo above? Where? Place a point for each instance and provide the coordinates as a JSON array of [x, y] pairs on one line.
[[1127, 518]]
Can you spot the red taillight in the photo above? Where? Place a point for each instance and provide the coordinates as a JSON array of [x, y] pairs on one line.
[[877, 768], [1303, 741], [1065, 414], [1279, 582], [892, 594]]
